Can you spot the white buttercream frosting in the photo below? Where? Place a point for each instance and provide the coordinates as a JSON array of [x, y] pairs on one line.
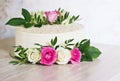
[[28, 37]]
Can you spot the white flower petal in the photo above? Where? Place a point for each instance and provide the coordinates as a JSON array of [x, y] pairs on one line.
[[64, 56], [33, 55]]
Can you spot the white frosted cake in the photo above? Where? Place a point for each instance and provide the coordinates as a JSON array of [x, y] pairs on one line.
[[51, 37], [43, 35]]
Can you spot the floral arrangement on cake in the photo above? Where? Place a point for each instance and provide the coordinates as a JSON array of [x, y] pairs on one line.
[[53, 53], [56, 54], [37, 19]]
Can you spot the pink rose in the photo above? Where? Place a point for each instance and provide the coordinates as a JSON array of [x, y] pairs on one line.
[[76, 56], [52, 15], [49, 55]]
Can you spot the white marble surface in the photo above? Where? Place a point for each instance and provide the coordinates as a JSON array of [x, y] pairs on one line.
[[100, 17]]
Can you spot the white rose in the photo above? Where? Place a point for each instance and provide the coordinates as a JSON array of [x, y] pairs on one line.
[[64, 56], [33, 55]]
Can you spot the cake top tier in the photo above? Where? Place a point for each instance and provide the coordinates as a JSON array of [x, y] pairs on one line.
[[40, 18]]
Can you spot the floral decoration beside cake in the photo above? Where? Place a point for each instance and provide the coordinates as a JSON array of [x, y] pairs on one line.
[[54, 52]]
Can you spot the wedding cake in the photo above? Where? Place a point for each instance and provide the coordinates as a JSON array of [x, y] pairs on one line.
[[48, 37]]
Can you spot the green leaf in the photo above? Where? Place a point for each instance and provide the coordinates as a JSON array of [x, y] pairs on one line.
[[28, 25], [86, 58], [76, 18], [38, 25], [61, 19], [17, 58], [70, 21], [89, 53], [66, 41], [19, 49], [66, 47], [38, 19], [93, 52], [38, 44], [22, 51], [69, 44], [57, 46], [23, 55], [58, 20], [25, 49], [26, 15], [77, 44], [59, 9], [14, 62], [70, 40], [73, 17], [62, 10], [23, 61], [84, 45], [54, 41], [16, 22], [66, 15], [45, 21], [35, 16]]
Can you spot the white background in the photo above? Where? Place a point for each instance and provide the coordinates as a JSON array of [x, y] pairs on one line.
[[101, 18]]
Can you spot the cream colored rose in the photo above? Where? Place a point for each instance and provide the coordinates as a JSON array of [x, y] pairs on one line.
[[64, 56], [33, 55]]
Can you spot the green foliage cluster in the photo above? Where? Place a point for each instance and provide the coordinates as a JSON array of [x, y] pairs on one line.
[[37, 20]]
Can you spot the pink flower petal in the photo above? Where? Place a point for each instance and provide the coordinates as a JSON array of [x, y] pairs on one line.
[[52, 15], [49, 56], [76, 56]]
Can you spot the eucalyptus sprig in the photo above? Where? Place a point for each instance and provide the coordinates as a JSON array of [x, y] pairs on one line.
[[54, 42], [68, 44], [66, 16], [21, 58], [73, 19]]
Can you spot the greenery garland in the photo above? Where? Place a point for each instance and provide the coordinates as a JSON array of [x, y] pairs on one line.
[[37, 19]]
